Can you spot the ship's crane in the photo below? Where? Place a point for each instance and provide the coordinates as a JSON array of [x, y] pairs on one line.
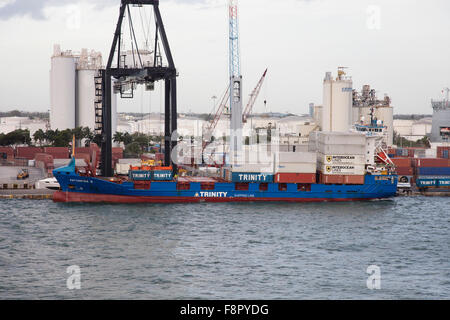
[[215, 119], [253, 97]]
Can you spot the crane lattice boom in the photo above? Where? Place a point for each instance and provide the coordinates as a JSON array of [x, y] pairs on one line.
[[253, 97]]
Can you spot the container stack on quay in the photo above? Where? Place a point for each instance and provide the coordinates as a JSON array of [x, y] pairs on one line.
[[27, 152], [341, 157], [6, 153], [404, 169], [57, 152], [432, 172], [443, 152], [44, 161]]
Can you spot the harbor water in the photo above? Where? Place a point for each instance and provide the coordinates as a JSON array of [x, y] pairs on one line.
[[226, 251]]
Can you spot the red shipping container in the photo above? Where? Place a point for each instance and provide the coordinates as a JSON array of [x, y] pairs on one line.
[[405, 171], [331, 179], [354, 179], [7, 152], [295, 177], [43, 157], [402, 162], [27, 152], [432, 162], [82, 150], [159, 156]]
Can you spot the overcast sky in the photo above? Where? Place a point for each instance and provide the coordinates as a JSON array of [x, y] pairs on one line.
[[399, 47]]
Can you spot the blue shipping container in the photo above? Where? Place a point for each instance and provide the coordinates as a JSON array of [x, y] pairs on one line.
[[140, 175], [251, 177], [436, 171], [162, 175], [426, 182], [444, 182]]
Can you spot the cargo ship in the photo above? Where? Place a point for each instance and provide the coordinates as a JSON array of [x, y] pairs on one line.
[[336, 168]]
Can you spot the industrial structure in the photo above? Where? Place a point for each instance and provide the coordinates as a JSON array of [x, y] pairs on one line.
[[367, 108], [337, 102], [440, 131], [72, 89]]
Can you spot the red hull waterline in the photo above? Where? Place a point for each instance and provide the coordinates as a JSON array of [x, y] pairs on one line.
[[62, 196]]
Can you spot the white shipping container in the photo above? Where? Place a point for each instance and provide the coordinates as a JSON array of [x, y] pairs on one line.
[[301, 157], [341, 138], [348, 169], [296, 168], [134, 162], [253, 167], [341, 149], [122, 168], [340, 159]]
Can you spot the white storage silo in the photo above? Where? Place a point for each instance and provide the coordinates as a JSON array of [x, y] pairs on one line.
[[62, 89], [85, 115], [337, 103], [326, 105], [386, 114]]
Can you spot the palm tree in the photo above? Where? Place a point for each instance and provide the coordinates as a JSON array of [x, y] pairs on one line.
[[39, 136]]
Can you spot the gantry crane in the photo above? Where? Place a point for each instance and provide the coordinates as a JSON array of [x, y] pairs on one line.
[[138, 74]]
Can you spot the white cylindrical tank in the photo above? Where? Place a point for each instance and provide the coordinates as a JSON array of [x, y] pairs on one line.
[[337, 104], [386, 114], [341, 106], [62, 92], [85, 113], [326, 105]]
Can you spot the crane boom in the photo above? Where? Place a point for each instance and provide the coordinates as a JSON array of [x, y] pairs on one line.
[[213, 123], [253, 97]]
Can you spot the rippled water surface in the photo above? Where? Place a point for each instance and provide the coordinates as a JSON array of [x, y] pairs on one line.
[[226, 251]]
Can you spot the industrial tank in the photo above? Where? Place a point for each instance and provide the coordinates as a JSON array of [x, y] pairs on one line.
[[337, 103], [62, 88], [85, 116], [386, 114]]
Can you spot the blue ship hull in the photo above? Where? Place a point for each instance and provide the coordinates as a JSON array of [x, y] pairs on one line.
[[77, 188]]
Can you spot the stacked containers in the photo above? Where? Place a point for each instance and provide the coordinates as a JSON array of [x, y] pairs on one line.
[[404, 169], [295, 167], [6, 153], [443, 152], [432, 172], [341, 157], [57, 152], [27, 152], [44, 161], [250, 172]]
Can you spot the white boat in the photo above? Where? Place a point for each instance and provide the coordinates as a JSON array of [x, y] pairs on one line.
[[49, 183]]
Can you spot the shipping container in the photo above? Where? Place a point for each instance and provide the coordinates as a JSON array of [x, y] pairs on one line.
[[435, 171], [426, 182], [342, 149], [348, 169], [296, 157], [254, 167], [295, 178], [341, 159], [331, 179], [251, 177], [82, 150], [344, 138], [354, 179], [140, 175], [6, 153], [406, 171], [122, 168], [402, 162], [162, 175], [443, 152], [27, 152], [296, 168], [432, 162], [445, 182]]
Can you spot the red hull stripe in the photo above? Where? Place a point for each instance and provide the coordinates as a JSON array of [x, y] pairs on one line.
[[61, 196]]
